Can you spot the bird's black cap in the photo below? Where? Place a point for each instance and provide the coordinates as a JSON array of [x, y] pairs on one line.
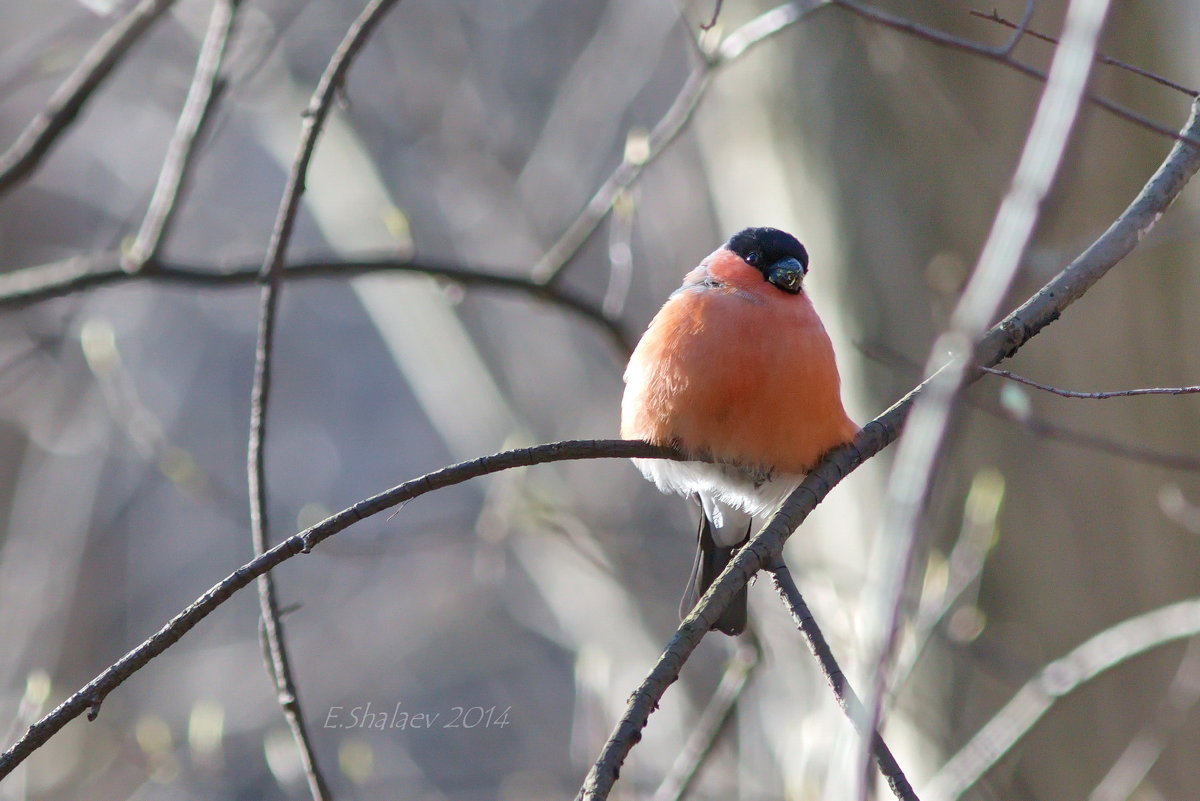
[[765, 248]]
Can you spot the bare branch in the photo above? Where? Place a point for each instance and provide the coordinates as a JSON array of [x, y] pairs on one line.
[[95, 691], [28, 285], [23, 156], [1003, 340], [1067, 393], [712, 23], [278, 663], [847, 699], [944, 39], [197, 107], [1101, 653], [551, 265], [1131, 767], [712, 722], [1103, 59], [921, 451]]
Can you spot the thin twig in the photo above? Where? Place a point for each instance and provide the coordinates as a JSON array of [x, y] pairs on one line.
[[712, 23], [550, 266], [27, 285], [1101, 57], [1019, 30], [1104, 651], [944, 39], [847, 699], [1067, 393], [279, 664], [921, 451], [707, 730], [23, 156], [94, 692], [1003, 340], [197, 108]]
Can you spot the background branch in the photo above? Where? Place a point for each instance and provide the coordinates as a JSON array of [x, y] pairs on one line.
[[24, 155], [202, 97], [1101, 653]]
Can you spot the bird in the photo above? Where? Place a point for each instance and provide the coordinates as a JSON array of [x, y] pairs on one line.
[[737, 372]]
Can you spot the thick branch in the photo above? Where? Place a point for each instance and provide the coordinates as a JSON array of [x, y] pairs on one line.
[[1002, 341], [94, 692]]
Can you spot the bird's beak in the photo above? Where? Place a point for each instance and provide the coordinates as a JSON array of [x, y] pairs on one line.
[[787, 274]]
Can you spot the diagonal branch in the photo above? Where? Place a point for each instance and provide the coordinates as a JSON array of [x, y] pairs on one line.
[[847, 699], [201, 99], [1003, 340], [89, 697], [944, 39], [23, 156], [1101, 653], [276, 653], [1101, 57], [549, 268]]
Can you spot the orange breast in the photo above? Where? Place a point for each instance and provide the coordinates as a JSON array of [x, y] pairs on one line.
[[741, 372]]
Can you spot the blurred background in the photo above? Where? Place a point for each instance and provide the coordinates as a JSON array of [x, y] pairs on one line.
[[472, 133]]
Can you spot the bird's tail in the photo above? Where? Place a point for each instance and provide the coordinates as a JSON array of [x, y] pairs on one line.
[[718, 525]]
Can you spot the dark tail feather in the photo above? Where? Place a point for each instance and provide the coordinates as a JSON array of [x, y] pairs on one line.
[[710, 561]]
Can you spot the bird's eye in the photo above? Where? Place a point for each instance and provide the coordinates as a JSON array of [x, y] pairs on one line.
[[753, 258]]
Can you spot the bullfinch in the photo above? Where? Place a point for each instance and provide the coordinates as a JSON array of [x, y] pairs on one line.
[[735, 369]]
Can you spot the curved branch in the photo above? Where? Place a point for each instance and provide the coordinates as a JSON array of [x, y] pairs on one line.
[[91, 695], [1003, 340], [30, 285], [1101, 653], [276, 657]]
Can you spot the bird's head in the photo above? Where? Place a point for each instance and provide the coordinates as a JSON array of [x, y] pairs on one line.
[[779, 256]]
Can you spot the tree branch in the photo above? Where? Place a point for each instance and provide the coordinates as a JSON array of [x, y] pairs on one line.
[[1102, 58], [278, 662], [944, 39], [1101, 653], [23, 156], [94, 692], [1003, 340], [707, 730], [847, 699], [28, 285], [1067, 393], [197, 107], [550, 266]]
